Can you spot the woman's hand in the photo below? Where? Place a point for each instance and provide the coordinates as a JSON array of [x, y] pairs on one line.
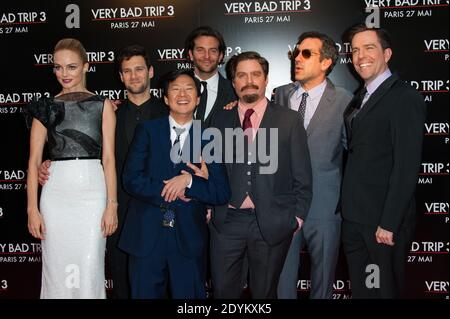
[[109, 219], [36, 225]]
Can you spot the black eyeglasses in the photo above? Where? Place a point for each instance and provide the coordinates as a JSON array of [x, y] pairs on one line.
[[306, 54]]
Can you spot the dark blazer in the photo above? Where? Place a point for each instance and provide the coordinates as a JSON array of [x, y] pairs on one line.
[[225, 95], [148, 164], [384, 157], [287, 193]]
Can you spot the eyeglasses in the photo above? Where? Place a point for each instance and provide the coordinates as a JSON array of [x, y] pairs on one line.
[[306, 54]]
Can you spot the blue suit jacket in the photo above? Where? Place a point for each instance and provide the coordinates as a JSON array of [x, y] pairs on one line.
[[147, 165]]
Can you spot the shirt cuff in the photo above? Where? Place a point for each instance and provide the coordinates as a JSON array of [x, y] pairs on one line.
[[190, 183]]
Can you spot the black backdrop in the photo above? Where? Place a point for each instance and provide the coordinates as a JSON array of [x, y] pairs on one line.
[[30, 29]]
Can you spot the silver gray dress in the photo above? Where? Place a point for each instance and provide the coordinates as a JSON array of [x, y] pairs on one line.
[[74, 198]]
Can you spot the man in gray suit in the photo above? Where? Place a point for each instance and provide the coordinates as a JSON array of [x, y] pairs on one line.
[[321, 106]]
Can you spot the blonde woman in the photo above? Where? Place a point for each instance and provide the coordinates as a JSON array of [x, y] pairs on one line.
[[78, 204]]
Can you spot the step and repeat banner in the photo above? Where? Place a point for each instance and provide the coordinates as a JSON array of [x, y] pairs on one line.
[[30, 29]]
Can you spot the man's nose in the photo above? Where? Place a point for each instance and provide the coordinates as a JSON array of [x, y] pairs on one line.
[[361, 53]]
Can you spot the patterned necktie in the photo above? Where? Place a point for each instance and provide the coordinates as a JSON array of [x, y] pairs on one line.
[[360, 98], [357, 103], [201, 108], [302, 107], [176, 142], [352, 110], [247, 124]]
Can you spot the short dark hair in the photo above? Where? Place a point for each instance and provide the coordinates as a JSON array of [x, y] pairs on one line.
[[204, 31], [249, 55], [173, 75], [383, 35], [329, 48], [130, 51]]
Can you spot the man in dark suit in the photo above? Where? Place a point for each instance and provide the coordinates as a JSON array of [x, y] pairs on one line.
[[165, 231], [384, 124], [206, 47], [321, 106], [135, 72], [269, 198]]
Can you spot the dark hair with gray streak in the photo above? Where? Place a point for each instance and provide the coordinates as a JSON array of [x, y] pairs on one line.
[[329, 48]]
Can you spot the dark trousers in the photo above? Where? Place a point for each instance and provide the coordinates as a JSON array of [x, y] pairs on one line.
[[117, 261], [149, 275], [239, 237], [362, 250]]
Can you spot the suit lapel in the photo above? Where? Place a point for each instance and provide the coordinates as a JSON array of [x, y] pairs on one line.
[[266, 117], [231, 120], [219, 99], [325, 103], [349, 113], [188, 147], [164, 139], [287, 97], [373, 100], [266, 122], [236, 119]]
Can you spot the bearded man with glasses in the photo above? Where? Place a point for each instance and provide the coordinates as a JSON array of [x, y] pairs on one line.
[[320, 105]]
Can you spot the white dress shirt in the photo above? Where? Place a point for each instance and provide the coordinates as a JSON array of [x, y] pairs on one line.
[[183, 135], [373, 86], [212, 85]]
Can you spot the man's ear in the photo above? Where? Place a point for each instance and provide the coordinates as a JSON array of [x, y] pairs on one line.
[[325, 64], [151, 73], [387, 54]]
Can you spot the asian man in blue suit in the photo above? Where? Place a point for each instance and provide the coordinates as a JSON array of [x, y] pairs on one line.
[[165, 231]]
